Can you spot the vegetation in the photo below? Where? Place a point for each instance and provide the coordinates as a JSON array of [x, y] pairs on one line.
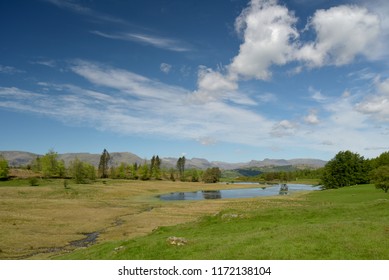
[[346, 223], [104, 164], [345, 169], [181, 167], [131, 223], [212, 175], [380, 177], [82, 172], [4, 169], [49, 165]]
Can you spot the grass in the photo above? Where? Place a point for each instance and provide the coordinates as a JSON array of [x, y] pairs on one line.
[[40, 222], [348, 223]]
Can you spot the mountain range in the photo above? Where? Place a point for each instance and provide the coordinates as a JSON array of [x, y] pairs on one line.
[[19, 158]]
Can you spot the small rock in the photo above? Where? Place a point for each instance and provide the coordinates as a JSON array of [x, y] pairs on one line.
[[230, 216], [177, 241], [119, 248]]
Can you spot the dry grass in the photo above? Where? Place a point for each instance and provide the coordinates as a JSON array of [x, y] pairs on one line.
[[37, 222]]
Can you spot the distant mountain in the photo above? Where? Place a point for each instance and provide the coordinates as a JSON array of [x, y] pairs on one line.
[[94, 159], [18, 158]]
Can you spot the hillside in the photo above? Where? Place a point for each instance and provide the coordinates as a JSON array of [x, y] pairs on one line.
[[20, 158]]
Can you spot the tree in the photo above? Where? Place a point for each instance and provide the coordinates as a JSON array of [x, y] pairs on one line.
[[134, 171], [51, 166], [82, 172], [181, 167], [382, 159], [105, 160], [194, 175], [345, 169], [4, 168], [380, 177], [212, 175], [144, 172], [155, 167]]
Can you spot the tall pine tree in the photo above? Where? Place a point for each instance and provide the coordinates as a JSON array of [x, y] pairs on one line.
[[105, 160]]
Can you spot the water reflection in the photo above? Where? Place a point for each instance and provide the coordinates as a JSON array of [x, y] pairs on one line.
[[212, 194], [283, 189]]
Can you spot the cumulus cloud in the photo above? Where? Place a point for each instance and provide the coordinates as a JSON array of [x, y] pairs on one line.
[[268, 30], [271, 38], [214, 86], [342, 33]]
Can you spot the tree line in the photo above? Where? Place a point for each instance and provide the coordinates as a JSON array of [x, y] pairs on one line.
[[348, 168], [345, 169], [50, 166]]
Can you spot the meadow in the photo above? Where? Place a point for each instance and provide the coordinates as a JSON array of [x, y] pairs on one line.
[[116, 219]]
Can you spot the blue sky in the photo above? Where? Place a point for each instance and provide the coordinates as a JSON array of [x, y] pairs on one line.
[[225, 80]]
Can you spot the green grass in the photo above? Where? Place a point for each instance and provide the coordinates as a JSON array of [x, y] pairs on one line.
[[347, 223]]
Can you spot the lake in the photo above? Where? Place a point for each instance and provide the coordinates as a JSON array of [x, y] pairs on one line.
[[239, 193]]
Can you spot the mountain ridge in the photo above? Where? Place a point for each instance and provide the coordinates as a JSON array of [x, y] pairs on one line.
[[21, 158]]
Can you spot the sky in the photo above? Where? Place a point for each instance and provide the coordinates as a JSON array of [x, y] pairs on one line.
[[225, 80]]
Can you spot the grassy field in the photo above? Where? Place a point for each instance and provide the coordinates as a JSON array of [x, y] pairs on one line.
[[131, 223]]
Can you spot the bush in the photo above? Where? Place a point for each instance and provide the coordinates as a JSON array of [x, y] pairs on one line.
[[34, 182]]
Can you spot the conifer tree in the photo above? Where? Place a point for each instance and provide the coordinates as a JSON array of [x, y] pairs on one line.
[[105, 160]]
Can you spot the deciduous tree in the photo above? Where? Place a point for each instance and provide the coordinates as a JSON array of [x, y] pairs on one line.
[[4, 168], [212, 175], [345, 169], [380, 177]]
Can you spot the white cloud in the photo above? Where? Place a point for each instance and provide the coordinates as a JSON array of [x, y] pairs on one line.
[[317, 95], [284, 128], [9, 70], [207, 141], [127, 103], [266, 97], [343, 32], [86, 11], [214, 86], [212, 81], [312, 118], [45, 62], [155, 41], [165, 68], [376, 105], [268, 30]]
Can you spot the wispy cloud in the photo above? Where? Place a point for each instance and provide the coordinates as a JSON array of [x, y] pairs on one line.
[[140, 37], [9, 70], [45, 62], [155, 41], [75, 7], [123, 102]]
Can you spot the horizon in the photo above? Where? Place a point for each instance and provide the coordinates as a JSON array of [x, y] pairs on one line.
[[229, 81]]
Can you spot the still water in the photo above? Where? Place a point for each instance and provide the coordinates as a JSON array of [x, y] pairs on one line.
[[239, 193]]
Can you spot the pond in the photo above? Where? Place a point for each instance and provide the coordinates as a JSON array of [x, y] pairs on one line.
[[240, 193]]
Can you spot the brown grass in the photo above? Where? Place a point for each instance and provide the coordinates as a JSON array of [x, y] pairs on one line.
[[37, 222]]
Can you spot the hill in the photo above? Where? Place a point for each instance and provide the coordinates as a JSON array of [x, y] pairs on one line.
[[20, 158]]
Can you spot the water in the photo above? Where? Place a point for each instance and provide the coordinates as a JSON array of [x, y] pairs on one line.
[[239, 193]]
